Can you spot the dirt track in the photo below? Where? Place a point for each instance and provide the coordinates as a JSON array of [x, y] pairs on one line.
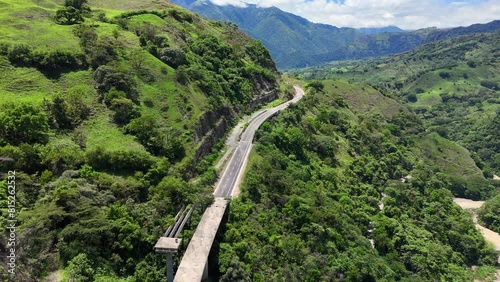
[[488, 234]]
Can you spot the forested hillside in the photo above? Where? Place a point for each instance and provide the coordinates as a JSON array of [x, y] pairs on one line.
[[111, 115], [335, 191], [452, 85]]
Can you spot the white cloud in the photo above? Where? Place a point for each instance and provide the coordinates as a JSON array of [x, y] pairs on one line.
[[236, 3], [407, 14]]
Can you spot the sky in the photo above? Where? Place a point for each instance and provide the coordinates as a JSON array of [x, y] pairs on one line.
[[406, 14]]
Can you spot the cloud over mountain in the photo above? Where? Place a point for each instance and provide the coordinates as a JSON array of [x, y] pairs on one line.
[[407, 14]]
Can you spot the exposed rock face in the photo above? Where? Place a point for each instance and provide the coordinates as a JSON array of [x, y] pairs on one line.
[[207, 122], [211, 138], [263, 99], [213, 125]]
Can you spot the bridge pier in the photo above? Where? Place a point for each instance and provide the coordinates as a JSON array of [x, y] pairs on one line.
[[170, 268]]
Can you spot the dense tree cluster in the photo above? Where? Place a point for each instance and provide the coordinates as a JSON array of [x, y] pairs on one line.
[[322, 185], [489, 214]]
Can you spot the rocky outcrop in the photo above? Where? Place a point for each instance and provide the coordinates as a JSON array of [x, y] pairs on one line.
[[208, 120], [211, 138], [263, 99], [213, 125]]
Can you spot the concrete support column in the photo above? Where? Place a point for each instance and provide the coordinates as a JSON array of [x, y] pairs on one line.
[[170, 268]]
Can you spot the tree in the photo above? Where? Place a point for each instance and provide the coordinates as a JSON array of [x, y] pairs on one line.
[[125, 110], [173, 57], [80, 269], [68, 111], [69, 16], [23, 123], [316, 85], [235, 272]]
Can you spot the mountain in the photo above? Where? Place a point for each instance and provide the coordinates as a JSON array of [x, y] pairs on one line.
[[110, 116], [452, 84], [295, 42], [376, 30], [292, 36]]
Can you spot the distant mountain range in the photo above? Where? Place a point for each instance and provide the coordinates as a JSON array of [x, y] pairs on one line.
[[295, 42]]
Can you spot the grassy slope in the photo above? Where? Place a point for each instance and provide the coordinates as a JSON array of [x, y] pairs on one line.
[[175, 106], [169, 99]]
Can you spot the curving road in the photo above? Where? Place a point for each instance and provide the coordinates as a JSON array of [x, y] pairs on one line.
[[193, 266], [233, 170]]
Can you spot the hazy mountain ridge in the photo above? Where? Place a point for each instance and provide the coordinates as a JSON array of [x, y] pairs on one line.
[[295, 42]]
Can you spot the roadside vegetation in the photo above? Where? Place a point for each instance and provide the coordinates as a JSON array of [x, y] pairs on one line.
[[311, 200], [451, 85]]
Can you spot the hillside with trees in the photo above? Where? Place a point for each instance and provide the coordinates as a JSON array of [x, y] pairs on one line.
[[333, 193], [451, 84], [114, 113], [112, 116], [299, 43]]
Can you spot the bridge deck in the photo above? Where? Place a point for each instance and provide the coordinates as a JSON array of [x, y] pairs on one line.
[[194, 260]]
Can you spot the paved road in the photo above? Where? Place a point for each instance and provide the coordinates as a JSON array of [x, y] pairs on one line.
[[233, 169], [194, 262]]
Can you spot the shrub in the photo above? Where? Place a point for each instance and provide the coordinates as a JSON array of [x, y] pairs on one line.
[[173, 57], [180, 16], [101, 52], [20, 55], [471, 64], [23, 123], [24, 157], [114, 94], [88, 35], [490, 84], [181, 75], [412, 97], [61, 155], [444, 75], [101, 159], [316, 85], [124, 109], [68, 111], [107, 77], [58, 60], [68, 16], [4, 48]]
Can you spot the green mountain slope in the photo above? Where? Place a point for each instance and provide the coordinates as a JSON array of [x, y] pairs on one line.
[[295, 42], [451, 84], [113, 115], [325, 178]]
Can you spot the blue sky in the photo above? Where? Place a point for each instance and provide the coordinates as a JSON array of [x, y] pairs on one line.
[[407, 14]]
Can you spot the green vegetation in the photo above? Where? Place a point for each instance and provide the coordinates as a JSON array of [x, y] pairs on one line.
[[489, 214], [299, 43], [310, 200], [104, 112], [450, 84]]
